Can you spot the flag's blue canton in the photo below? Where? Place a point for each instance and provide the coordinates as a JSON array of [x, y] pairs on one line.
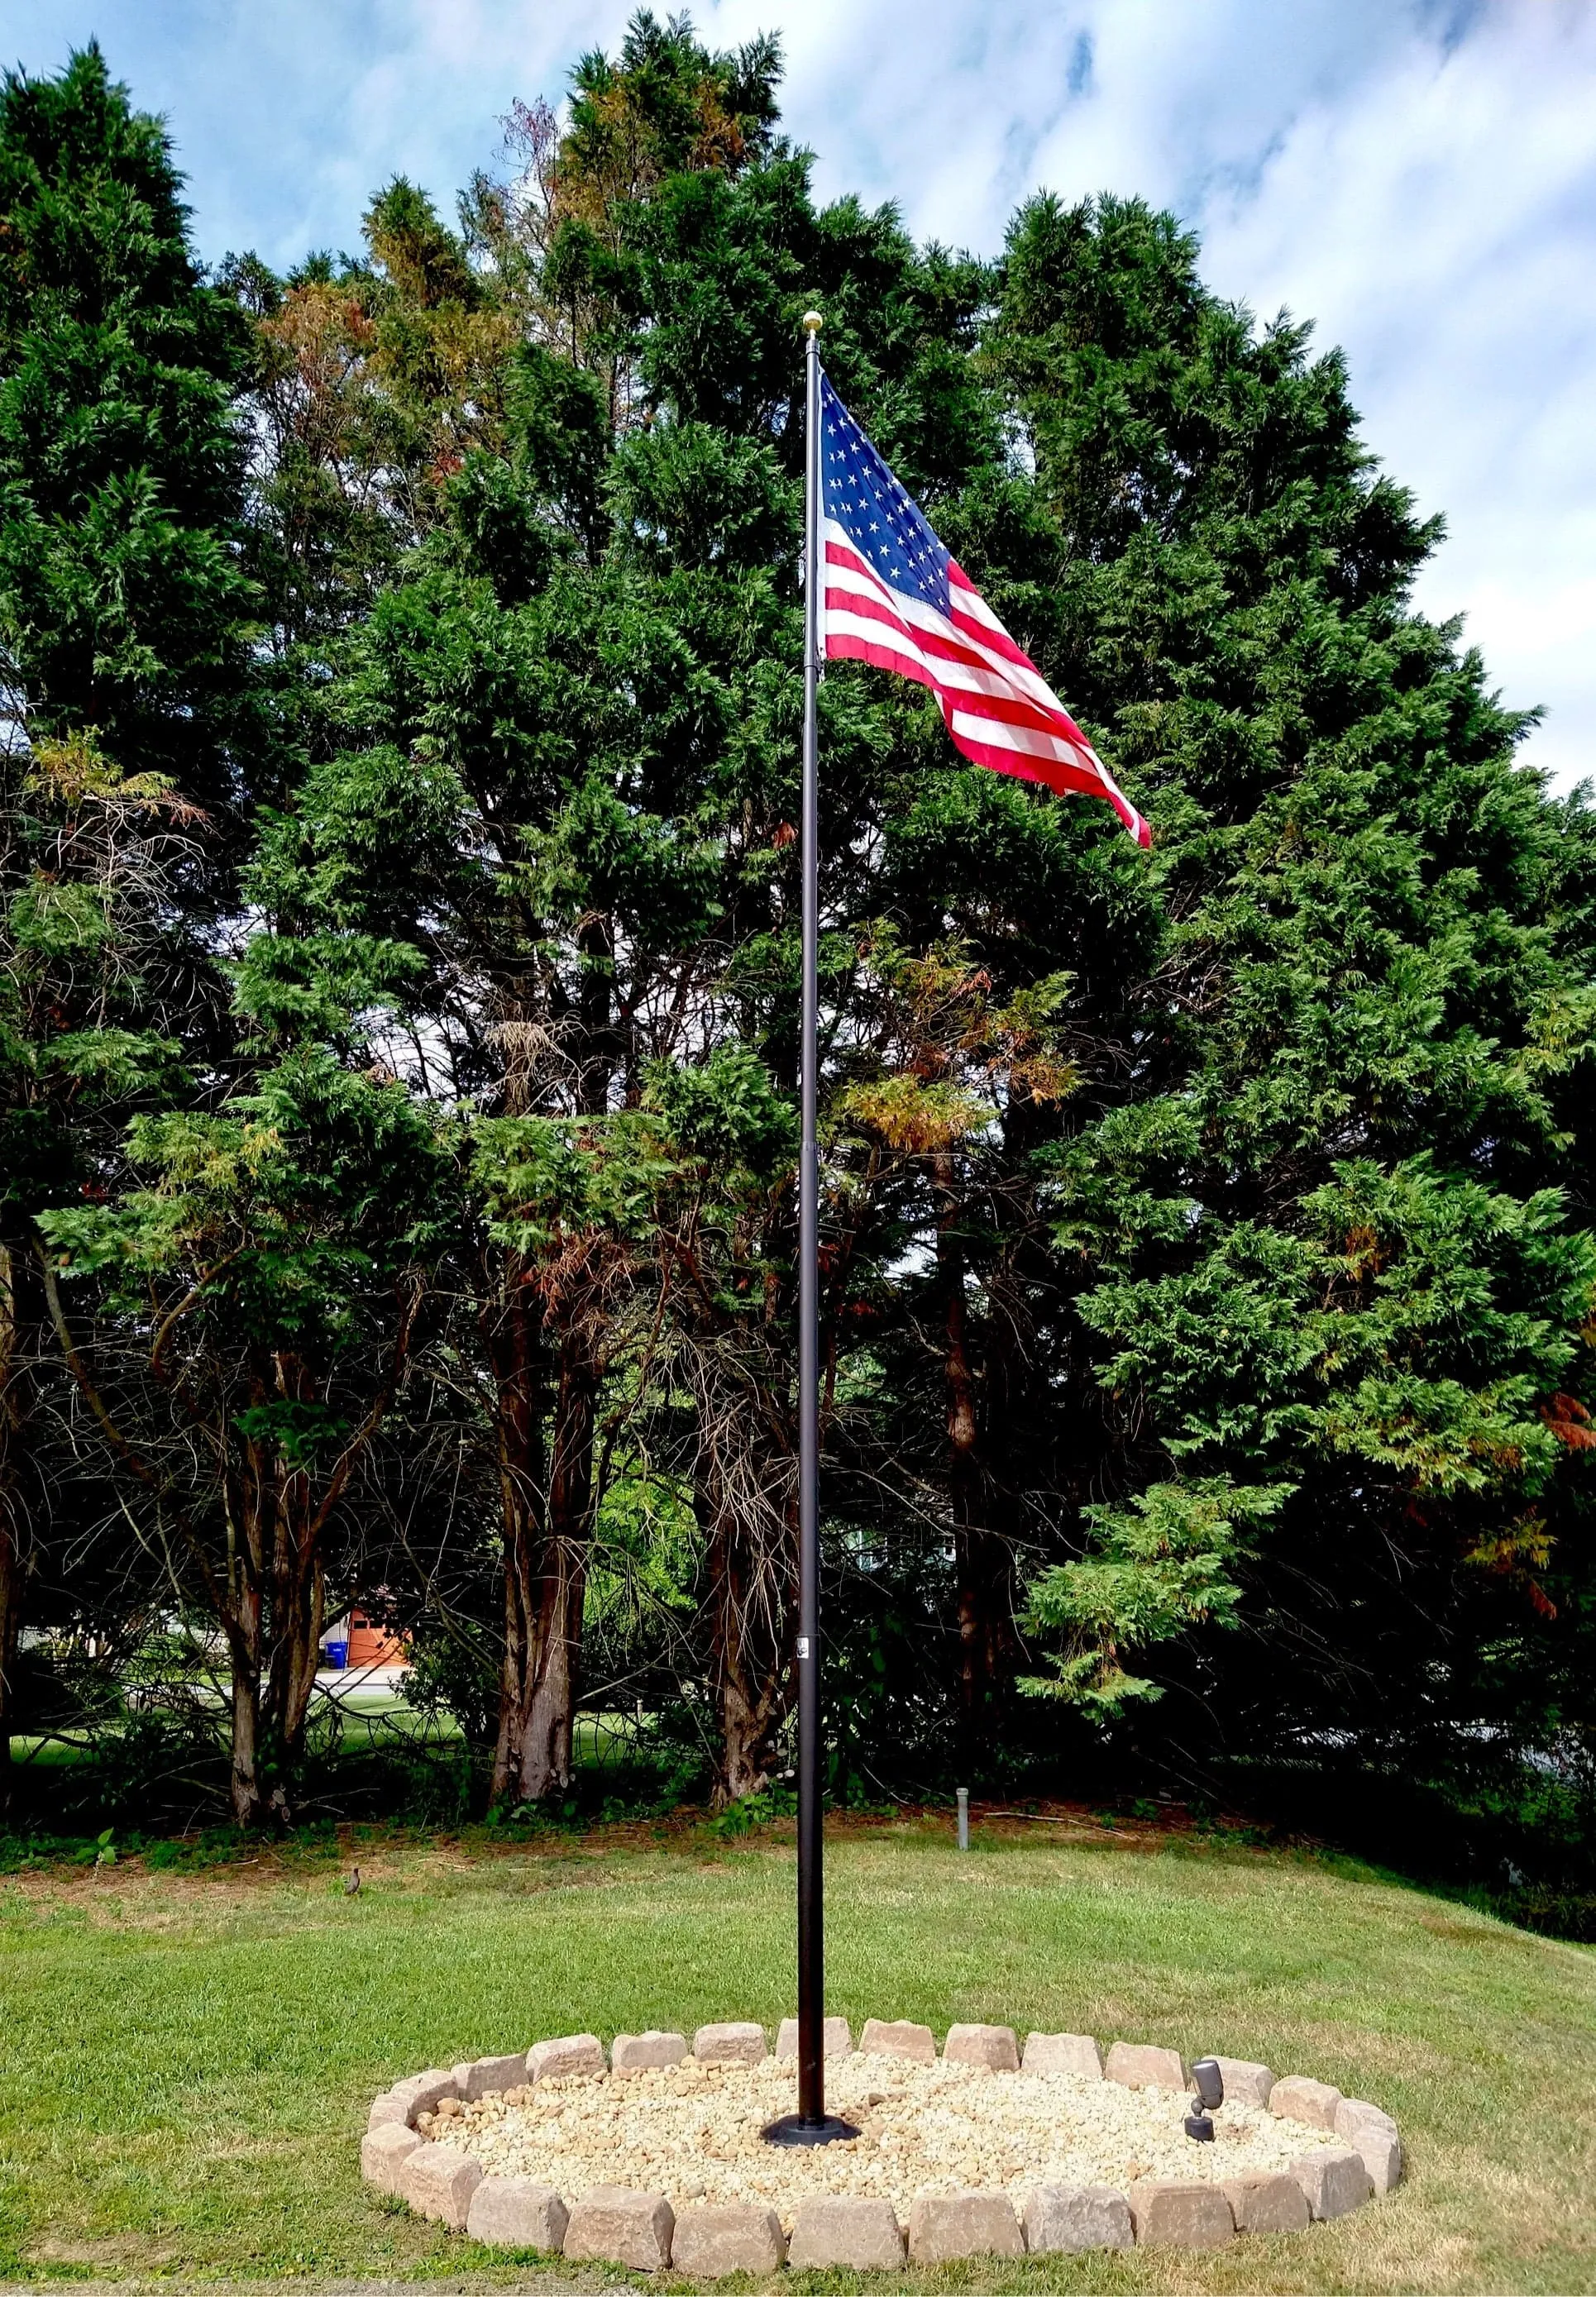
[[884, 524]]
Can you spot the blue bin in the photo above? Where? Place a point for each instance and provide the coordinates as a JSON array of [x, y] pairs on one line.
[[338, 1654]]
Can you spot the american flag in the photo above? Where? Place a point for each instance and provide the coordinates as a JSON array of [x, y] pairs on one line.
[[892, 596]]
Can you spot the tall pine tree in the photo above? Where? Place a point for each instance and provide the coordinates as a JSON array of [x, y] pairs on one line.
[[123, 653]]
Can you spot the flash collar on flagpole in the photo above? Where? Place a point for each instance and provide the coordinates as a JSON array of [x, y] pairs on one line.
[[812, 322]]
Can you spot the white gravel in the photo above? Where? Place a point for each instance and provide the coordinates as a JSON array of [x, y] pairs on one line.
[[692, 2132]]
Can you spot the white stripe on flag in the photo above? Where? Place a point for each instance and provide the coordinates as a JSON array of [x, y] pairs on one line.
[[1029, 741]]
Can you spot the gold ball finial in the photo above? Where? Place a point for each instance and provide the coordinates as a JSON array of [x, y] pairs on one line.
[[812, 323]]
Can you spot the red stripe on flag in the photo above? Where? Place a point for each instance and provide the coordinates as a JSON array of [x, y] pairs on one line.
[[848, 648], [1069, 781]]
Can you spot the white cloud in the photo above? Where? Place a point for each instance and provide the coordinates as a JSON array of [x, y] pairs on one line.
[[1419, 176], [1420, 180], [1439, 226], [288, 114]]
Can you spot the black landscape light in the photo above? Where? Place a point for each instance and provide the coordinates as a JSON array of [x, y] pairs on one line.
[[1210, 2092]]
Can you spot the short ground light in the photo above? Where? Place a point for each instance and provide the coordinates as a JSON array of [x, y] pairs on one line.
[[655, 2155], [1210, 2085]]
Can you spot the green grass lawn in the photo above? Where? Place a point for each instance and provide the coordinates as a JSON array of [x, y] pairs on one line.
[[185, 2060]]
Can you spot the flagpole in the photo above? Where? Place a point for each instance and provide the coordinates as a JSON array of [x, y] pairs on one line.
[[811, 2125]]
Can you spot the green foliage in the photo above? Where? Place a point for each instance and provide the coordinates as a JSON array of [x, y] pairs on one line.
[[665, 90], [542, 1177], [726, 1110], [558, 430], [278, 1215], [1456, 1313], [1156, 1569], [752, 1813], [687, 494], [121, 604], [1205, 1232]]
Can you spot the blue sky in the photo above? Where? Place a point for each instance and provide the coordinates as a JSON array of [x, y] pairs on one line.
[[1419, 176]]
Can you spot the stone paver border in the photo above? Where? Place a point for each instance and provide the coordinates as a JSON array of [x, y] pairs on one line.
[[622, 2227]]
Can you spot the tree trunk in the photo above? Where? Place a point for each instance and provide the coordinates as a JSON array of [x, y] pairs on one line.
[[748, 1677], [542, 1646], [297, 1598], [12, 1417], [242, 1606], [512, 1333], [10, 1509], [744, 1503], [983, 1559], [547, 1506], [599, 1051], [10, 1621], [246, 1787], [24, 1316], [298, 1590]]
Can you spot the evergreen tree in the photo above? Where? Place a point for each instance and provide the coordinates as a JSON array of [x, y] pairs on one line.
[[122, 645], [1172, 508], [121, 602], [1325, 1261], [581, 726], [263, 1278]]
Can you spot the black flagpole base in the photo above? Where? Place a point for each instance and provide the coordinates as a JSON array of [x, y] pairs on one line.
[[798, 2129]]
